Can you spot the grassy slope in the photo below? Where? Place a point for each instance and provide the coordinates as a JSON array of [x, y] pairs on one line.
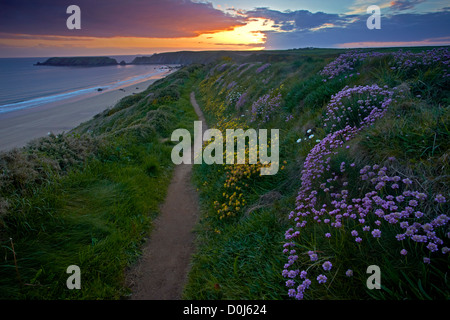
[[240, 253], [84, 198], [88, 198]]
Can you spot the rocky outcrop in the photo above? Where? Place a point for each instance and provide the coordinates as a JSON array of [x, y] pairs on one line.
[[188, 57], [78, 61]]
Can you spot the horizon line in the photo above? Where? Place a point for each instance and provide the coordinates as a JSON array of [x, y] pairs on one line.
[[249, 51]]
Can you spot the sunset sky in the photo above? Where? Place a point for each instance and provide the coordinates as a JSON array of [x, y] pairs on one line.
[[112, 27]]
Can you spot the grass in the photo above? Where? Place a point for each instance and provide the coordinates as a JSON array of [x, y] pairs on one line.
[[103, 212], [233, 261]]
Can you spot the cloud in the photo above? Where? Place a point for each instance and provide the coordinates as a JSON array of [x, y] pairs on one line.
[[14, 36], [111, 18], [360, 6], [404, 4], [152, 24], [369, 44], [297, 20], [396, 28]]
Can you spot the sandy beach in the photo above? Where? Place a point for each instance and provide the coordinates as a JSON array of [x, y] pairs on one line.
[[17, 128]]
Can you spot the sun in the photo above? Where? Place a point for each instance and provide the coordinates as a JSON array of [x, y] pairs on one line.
[[251, 33]]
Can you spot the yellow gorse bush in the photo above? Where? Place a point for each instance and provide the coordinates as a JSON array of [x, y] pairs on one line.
[[238, 176]]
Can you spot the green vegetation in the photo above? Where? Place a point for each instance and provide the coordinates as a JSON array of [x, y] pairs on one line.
[[241, 241], [187, 57], [89, 197]]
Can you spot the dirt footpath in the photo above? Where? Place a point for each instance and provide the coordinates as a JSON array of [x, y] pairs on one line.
[[161, 272]]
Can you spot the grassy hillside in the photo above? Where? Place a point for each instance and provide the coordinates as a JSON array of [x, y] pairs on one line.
[[88, 197], [363, 180]]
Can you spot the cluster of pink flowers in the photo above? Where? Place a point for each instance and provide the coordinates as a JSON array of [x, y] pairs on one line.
[[245, 69], [231, 85], [222, 67], [242, 66], [347, 62], [262, 68], [371, 102], [263, 108], [390, 201], [289, 118], [219, 81], [266, 80], [242, 100], [218, 67], [406, 60]]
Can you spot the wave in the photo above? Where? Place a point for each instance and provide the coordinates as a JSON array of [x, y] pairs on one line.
[[77, 93]]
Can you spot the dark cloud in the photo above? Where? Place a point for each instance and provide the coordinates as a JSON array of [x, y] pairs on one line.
[[301, 19], [405, 4], [394, 28], [109, 18]]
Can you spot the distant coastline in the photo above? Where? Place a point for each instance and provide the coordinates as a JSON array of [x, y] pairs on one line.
[[26, 85], [19, 127], [107, 61], [80, 61]]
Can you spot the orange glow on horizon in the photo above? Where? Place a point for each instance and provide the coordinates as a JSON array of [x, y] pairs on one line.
[[247, 37], [373, 44]]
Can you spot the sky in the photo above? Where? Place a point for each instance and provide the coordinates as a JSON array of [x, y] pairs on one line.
[[37, 28]]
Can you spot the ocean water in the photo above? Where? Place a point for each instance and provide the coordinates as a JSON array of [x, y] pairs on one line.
[[24, 85]]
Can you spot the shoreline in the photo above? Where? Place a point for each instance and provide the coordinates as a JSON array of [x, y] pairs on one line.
[[17, 128]]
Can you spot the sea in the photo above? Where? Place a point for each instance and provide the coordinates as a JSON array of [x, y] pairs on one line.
[[24, 85]]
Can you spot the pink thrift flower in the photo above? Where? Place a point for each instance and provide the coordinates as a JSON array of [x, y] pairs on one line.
[[327, 266], [321, 278], [376, 233]]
